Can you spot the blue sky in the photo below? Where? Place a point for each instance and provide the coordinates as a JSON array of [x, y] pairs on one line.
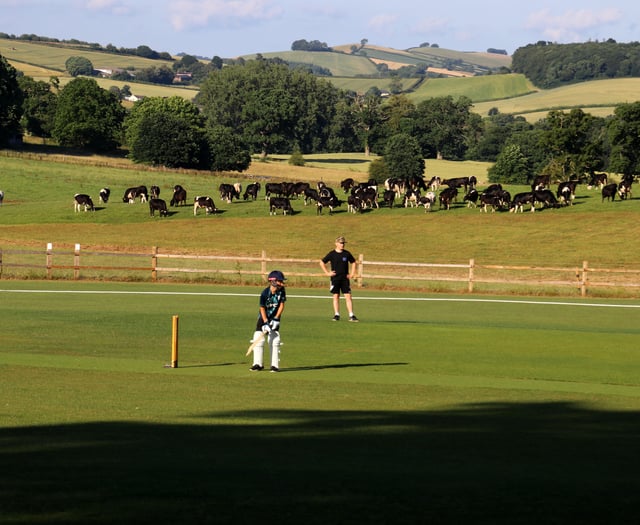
[[229, 28]]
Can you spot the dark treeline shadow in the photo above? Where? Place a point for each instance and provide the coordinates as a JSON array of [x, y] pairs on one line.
[[489, 463]]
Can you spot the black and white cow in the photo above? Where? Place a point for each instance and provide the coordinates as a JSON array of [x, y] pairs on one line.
[[471, 198], [545, 198], [273, 188], [82, 200], [388, 197], [204, 202], [347, 184], [489, 200], [1, 197], [132, 193], [566, 192], [411, 199], [158, 205], [624, 188], [104, 195], [368, 196], [179, 197], [609, 192], [228, 192], [541, 182], [155, 192], [447, 196], [458, 182], [280, 203], [520, 199], [428, 200], [327, 202], [310, 194], [298, 188], [354, 204], [597, 179], [252, 190]]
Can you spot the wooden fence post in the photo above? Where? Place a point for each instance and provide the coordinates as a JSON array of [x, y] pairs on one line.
[[472, 264], [263, 265], [154, 264], [76, 262], [360, 270], [584, 280], [49, 261]]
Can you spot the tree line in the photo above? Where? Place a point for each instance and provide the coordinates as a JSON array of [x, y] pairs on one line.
[[550, 65], [262, 107]]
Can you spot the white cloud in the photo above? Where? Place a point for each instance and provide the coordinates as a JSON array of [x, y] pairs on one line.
[[382, 22], [187, 14], [571, 25]]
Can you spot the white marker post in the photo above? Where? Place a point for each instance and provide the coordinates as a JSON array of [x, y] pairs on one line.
[[174, 343]]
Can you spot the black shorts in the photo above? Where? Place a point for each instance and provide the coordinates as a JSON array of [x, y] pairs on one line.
[[340, 285]]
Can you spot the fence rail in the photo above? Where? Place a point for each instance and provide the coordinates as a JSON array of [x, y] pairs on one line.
[[154, 265]]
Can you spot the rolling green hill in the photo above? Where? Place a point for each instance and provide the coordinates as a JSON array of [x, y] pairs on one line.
[[509, 93]]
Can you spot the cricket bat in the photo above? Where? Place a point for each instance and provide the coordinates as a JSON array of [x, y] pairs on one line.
[[255, 343]]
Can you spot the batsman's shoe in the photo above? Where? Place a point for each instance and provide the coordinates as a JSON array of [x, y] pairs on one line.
[[256, 368], [275, 369], [354, 319], [336, 318]]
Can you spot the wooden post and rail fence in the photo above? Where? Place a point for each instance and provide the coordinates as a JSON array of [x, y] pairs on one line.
[[154, 265]]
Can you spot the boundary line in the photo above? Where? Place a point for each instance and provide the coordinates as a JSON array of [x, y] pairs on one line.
[[359, 298]]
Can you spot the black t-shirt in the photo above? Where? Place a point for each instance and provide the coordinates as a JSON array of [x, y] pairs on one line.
[[339, 262]]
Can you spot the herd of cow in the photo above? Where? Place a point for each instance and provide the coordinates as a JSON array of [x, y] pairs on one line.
[[411, 192]]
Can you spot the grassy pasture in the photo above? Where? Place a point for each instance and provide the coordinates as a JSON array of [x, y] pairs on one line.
[[602, 233], [436, 410]]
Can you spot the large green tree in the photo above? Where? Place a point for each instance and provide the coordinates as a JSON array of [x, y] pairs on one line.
[[88, 116], [624, 134], [11, 98], [272, 107], [77, 65], [166, 131], [403, 157], [39, 106], [444, 127]]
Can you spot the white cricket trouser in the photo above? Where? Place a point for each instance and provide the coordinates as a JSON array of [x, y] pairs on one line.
[[273, 340]]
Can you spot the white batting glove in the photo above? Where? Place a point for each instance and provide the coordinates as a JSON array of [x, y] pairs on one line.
[[275, 324], [266, 328]]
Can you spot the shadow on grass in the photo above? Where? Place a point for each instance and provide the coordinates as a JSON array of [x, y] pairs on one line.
[[490, 463]]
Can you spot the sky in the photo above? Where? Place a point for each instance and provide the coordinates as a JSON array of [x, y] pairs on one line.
[[230, 28]]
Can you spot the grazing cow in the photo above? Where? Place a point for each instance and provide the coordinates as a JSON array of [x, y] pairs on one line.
[[520, 199], [492, 200], [428, 200], [434, 183], [273, 188], [179, 196], [252, 191], [411, 198], [471, 198], [368, 196], [158, 205], [204, 202], [546, 198], [567, 192], [104, 195], [280, 203], [395, 184], [541, 182], [298, 188], [388, 197], [624, 188], [597, 179], [347, 184], [447, 196], [1, 197], [354, 203], [228, 192], [310, 194], [609, 192], [155, 192], [132, 193], [327, 202], [457, 182], [81, 200]]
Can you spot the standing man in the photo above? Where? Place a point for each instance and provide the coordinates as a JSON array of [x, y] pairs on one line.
[[340, 259], [272, 301]]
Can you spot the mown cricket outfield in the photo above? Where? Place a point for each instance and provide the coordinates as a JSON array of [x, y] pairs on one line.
[[433, 409]]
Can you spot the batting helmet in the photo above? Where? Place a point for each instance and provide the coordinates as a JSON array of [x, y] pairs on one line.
[[276, 275]]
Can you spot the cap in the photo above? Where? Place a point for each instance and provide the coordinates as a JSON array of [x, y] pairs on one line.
[[277, 275], [341, 239]]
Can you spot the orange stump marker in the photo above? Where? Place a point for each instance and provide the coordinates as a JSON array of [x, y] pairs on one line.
[[174, 343]]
